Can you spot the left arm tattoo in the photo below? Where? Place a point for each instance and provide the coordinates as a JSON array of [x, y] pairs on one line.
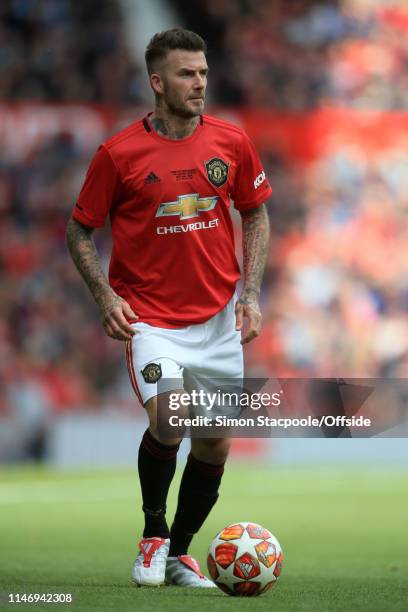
[[255, 239]]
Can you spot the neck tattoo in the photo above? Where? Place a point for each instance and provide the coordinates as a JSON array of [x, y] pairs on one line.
[[163, 128]]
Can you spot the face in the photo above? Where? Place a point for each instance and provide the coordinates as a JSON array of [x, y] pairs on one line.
[[181, 82]]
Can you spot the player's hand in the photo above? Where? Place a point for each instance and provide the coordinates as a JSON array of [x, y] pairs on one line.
[[114, 311], [248, 307]]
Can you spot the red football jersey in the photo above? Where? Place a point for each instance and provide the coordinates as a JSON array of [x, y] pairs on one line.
[[173, 256]]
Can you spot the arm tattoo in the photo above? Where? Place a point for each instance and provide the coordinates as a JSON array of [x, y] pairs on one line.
[[255, 239], [83, 252]]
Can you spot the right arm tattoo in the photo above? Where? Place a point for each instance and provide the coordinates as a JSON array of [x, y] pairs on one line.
[[83, 252]]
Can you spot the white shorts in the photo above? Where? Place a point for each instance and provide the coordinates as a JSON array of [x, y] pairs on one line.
[[184, 358]]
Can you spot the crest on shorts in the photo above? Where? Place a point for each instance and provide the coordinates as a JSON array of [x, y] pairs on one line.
[[152, 372], [217, 171]]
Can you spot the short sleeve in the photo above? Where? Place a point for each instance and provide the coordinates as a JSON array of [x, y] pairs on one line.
[[251, 187], [99, 191]]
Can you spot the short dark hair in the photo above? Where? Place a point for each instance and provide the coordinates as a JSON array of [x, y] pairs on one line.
[[176, 38]]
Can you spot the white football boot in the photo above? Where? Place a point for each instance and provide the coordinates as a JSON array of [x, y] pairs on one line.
[[185, 571], [150, 566]]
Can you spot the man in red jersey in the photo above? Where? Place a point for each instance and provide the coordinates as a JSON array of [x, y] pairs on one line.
[[166, 183]]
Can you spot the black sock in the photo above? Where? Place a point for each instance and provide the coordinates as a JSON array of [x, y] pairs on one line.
[[157, 464], [198, 494]]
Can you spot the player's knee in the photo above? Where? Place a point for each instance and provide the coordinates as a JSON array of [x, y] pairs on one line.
[[163, 439], [159, 413], [165, 434], [211, 450]]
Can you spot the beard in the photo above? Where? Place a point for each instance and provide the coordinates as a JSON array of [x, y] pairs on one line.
[[179, 107]]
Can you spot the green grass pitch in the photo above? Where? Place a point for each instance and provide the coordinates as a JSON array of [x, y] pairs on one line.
[[343, 531]]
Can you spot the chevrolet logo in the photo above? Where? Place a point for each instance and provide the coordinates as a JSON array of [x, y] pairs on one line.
[[187, 206]]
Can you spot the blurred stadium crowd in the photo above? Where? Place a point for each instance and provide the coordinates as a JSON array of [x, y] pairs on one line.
[[336, 290], [62, 50], [300, 54]]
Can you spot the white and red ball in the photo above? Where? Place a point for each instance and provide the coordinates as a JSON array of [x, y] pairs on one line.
[[244, 559]]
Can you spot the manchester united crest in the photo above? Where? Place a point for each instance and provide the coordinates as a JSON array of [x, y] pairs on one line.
[[217, 171], [152, 372]]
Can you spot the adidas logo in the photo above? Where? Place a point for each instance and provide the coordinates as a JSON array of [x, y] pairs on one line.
[[146, 547], [151, 178]]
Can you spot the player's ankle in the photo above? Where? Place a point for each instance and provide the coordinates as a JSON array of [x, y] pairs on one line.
[[179, 543], [155, 523]]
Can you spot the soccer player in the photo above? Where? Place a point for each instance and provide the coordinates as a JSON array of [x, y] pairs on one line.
[[166, 182]]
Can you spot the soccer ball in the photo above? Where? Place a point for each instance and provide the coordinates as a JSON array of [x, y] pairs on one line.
[[244, 559]]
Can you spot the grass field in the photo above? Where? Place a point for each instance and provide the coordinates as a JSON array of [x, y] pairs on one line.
[[344, 535]]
